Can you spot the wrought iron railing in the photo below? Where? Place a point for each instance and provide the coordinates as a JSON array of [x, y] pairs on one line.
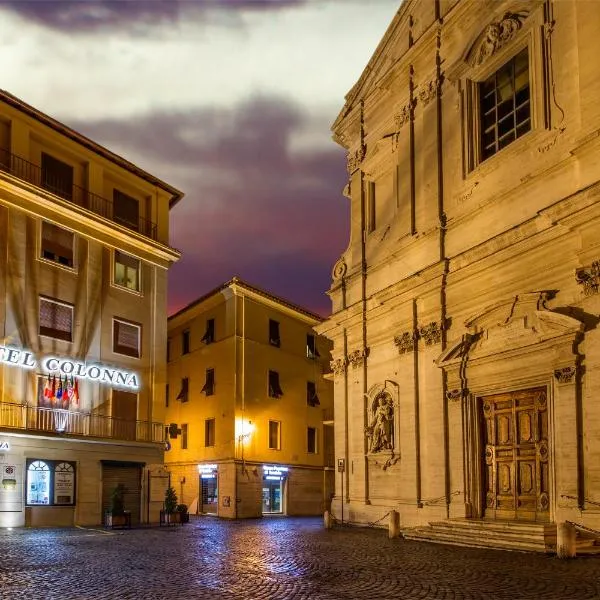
[[32, 173], [61, 421]]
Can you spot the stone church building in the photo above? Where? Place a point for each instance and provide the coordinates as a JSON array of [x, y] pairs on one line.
[[466, 308]]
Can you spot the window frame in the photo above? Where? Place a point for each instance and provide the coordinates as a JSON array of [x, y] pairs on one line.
[[123, 350], [210, 429], [274, 389], [184, 393], [48, 333], [52, 464], [73, 266], [278, 443], [312, 399], [138, 289], [313, 353], [315, 440], [209, 334], [274, 333], [208, 389], [186, 341]]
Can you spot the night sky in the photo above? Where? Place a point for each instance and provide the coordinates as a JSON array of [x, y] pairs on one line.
[[230, 101]]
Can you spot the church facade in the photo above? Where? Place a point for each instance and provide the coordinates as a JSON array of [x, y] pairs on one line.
[[466, 306]]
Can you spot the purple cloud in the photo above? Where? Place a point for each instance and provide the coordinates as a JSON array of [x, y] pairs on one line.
[[254, 206]]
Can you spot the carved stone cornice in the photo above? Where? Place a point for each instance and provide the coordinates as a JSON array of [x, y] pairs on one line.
[[357, 357], [589, 277], [565, 374], [355, 158], [497, 35], [405, 114], [431, 333], [338, 366], [429, 91], [406, 342]]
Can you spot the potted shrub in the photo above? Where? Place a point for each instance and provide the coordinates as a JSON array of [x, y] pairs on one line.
[[116, 515], [182, 509], [169, 514]]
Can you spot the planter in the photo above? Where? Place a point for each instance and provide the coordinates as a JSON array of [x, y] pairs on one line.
[[117, 521], [173, 518]]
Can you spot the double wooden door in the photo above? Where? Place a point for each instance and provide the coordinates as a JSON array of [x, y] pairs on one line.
[[515, 431]]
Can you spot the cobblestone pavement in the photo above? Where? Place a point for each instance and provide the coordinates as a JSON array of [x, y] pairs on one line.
[[273, 558]]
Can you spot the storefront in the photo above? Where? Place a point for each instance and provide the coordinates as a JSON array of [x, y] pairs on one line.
[[209, 489], [273, 489]]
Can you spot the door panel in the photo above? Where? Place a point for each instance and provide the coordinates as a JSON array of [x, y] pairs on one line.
[[516, 455]]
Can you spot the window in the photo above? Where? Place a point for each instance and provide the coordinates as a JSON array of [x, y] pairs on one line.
[[311, 347], [311, 394], [274, 435], [274, 338], [183, 393], [126, 338], [275, 390], [169, 350], [209, 432], [371, 208], [126, 210], [209, 384], [167, 395], [312, 440], [57, 176], [56, 319], [127, 271], [504, 105], [209, 334], [184, 436], [185, 342], [57, 244], [50, 482]]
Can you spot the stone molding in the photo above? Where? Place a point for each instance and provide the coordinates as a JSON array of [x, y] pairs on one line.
[[497, 35], [431, 333], [406, 342], [405, 114], [429, 91], [589, 277], [355, 158], [338, 366], [565, 374], [357, 357], [339, 269]]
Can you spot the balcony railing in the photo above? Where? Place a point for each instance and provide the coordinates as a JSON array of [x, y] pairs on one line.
[[60, 421], [327, 414], [32, 173]]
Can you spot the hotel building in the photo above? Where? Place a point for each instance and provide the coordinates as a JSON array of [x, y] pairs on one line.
[[249, 409], [84, 255]]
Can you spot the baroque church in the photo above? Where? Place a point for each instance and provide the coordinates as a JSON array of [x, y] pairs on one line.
[[466, 307]]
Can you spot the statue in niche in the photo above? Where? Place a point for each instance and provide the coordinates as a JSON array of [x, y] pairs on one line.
[[381, 428]]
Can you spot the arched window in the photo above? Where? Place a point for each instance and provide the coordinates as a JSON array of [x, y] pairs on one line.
[[64, 483], [38, 483]]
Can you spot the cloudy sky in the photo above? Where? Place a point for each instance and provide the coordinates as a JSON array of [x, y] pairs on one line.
[[231, 101]]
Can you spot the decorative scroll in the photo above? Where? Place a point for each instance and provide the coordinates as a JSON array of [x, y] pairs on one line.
[[589, 277], [338, 366], [355, 158], [565, 375], [405, 114], [406, 342], [339, 269], [497, 35], [432, 333], [357, 358], [454, 395]]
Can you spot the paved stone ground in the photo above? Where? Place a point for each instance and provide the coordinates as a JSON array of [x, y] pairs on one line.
[[273, 558]]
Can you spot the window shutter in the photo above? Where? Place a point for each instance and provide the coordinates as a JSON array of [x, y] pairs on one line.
[[126, 339], [56, 318]]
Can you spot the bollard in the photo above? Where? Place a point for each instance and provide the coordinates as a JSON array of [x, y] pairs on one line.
[[566, 545], [394, 524], [327, 520]]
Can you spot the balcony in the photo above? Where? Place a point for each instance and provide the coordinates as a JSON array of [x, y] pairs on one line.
[[31, 173], [328, 416], [65, 422]]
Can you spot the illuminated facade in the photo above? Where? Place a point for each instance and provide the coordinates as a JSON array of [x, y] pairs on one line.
[[465, 308], [84, 254], [248, 406]]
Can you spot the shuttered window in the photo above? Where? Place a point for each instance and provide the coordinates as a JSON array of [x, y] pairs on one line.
[[56, 319], [126, 210], [57, 176], [57, 244], [126, 338]]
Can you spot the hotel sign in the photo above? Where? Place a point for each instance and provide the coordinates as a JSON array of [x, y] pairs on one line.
[[274, 472], [66, 366], [207, 471]]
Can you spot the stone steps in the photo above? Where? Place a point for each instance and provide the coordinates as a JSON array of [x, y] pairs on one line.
[[530, 537]]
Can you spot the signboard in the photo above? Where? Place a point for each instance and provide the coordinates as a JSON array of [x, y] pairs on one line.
[[4, 446], [64, 487], [112, 376], [341, 465], [11, 486], [274, 472], [207, 471]]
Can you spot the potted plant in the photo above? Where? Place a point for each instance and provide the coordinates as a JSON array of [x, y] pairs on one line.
[[116, 515], [169, 514], [182, 509]]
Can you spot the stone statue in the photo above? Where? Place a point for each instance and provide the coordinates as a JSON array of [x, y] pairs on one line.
[[381, 428]]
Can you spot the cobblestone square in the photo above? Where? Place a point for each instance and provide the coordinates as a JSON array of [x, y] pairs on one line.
[[273, 558]]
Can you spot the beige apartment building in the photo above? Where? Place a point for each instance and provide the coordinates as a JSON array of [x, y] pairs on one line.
[[248, 406], [466, 306], [84, 254]]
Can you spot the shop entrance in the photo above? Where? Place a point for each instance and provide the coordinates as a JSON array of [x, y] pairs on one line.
[[272, 497], [209, 497]]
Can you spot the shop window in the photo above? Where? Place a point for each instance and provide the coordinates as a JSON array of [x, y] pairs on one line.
[[183, 393], [209, 384], [57, 244], [274, 435], [311, 394], [274, 337], [505, 105], [312, 440], [209, 432], [311, 347], [50, 482], [185, 342], [126, 210], [126, 338], [127, 271], [167, 396], [184, 436], [209, 334], [275, 390], [57, 176], [56, 319]]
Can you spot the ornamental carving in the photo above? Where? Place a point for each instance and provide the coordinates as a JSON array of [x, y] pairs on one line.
[[429, 91], [357, 358], [589, 277], [406, 342], [355, 158], [338, 366], [405, 114], [432, 333], [339, 269], [380, 430], [454, 395], [497, 35], [565, 375]]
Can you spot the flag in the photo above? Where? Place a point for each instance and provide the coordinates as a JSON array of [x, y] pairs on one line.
[[66, 396], [75, 399], [52, 395], [69, 382], [47, 392], [59, 392]]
